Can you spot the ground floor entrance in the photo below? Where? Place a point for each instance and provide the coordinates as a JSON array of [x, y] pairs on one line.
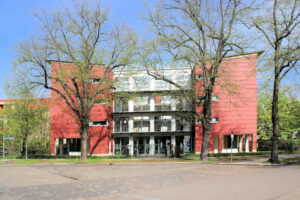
[[152, 145], [69, 146]]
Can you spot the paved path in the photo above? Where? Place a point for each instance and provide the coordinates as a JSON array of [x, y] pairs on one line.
[[149, 181]]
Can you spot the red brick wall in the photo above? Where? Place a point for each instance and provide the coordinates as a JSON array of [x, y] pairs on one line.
[[236, 108], [64, 123]]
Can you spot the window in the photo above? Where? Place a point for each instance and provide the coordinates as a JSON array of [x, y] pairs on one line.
[[141, 83], [121, 104], [121, 145], [98, 123], [141, 103], [122, 84], [214, 98], [227, 141], [183, 80], [198, 77], [162, 103], [101, 101], [94, 80], [162, 123], [198, 121], [74, 144], [214, 120], [182, 105], [141, 124], [121, 124], [182, 124]]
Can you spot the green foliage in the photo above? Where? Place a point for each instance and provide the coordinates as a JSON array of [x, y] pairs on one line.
[[289, 113], [26, 118]]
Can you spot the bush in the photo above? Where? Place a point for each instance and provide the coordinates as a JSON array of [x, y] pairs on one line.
[[177, 151], [283, 145]]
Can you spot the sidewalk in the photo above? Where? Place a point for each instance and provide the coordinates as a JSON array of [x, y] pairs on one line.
[[258, 160]]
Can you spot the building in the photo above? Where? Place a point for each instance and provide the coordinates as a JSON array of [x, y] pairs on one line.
[[148, 117]]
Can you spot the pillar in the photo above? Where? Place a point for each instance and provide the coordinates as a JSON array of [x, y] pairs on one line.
[[152, 145], [131, 145], [173, 143]]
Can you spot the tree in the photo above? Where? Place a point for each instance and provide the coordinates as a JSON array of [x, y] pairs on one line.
[[280, 31], [200, 34], [25, 115], [83, 36], [289, 110]]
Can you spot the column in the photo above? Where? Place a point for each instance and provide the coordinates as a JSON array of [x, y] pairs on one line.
[[152, 145], [241, 143], [130, 105], [151, 117], [173, 123], [247, 143], [131, 145], [130, 124], [173, 143], [152, 103]]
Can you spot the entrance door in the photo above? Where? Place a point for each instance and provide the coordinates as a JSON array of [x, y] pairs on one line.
[[141, 145], [163, 145]]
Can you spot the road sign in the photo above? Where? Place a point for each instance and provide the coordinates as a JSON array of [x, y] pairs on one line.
[[9, 138]]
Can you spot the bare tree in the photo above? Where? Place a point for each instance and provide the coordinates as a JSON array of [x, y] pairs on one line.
[[199, 34], [82, 36], [278, 23]]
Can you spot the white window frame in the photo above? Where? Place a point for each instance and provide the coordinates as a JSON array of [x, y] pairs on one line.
[[93, 123]]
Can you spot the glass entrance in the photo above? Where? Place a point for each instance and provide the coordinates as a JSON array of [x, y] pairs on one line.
[[163, 145], [141, 146]]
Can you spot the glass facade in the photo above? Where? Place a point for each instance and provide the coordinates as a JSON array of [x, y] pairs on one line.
[[121, 124], [141, 104], [121, 105], [141, 124], [162, 123]]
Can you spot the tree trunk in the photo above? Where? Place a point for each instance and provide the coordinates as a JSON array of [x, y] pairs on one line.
[[206, 123], [23, 147], [84, 142], [26, 148], [275, 121], [205, 140]]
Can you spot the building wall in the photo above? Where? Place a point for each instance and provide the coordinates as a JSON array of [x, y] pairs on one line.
[[236, 108], [64, 123]]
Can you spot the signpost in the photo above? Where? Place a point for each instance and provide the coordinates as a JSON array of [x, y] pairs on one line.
[[5, 138], [231, 144]]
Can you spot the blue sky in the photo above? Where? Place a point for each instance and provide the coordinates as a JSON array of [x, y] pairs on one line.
[[17, 23]]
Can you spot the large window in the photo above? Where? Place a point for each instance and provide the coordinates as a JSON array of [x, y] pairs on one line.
[[121, 124], [182, 124], [227, 141], [162, 123], [121, 105], [162, 103], [141, 124], [141, 103], [121, 146]]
